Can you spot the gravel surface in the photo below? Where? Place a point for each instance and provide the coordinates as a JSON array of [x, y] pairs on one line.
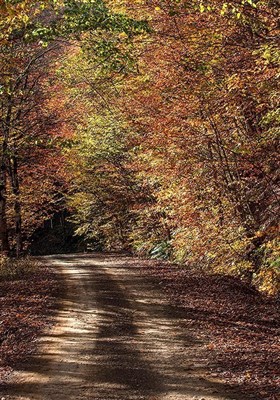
[[115, 337]]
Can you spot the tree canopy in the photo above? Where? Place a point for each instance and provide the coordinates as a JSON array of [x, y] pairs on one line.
[[154, 123]]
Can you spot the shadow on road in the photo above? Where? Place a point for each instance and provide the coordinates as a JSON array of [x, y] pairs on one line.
[[115, 338]]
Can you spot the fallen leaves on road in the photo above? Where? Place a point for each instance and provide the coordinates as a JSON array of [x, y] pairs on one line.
[[25, 304], [239, 325]]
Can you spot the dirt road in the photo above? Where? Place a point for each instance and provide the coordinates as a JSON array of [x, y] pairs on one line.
[[115, 337]]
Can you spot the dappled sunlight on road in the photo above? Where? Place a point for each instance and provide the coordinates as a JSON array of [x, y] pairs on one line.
[[115, 337]]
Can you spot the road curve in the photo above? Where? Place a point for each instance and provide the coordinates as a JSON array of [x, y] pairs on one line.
[[115, 337]]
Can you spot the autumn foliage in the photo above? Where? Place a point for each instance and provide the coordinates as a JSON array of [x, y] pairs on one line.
[[157, 122], [200, 137]]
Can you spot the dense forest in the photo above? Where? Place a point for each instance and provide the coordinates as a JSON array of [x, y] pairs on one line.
[[151, 126]]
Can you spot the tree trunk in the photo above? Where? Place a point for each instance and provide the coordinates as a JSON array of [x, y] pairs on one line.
[[4, 239], [13, 169]]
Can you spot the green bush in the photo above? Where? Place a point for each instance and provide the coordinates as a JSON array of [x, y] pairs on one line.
[[161, 251]]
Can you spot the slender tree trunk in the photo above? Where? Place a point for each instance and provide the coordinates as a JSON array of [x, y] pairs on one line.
[[4, 239], [5, 133], [13, 169]]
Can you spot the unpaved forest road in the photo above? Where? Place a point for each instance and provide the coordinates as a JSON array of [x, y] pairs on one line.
[[115, 338]]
